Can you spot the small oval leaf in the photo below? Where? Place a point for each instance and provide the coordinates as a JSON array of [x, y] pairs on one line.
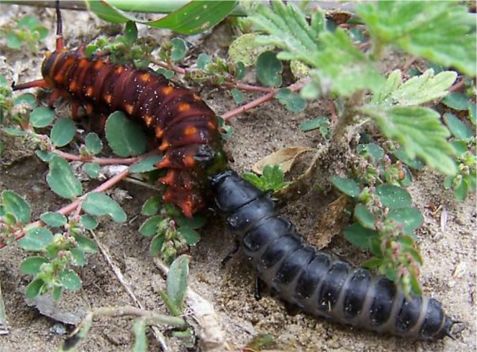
[[177, 280], [15, 204], [41, 117], [124, 136], [70, 280], [63, 132], [100, 204], [53, 219], [31, 265], [145, 165], [269, 69], [393, 197], [36, 239], [346, 185], [62, 180]]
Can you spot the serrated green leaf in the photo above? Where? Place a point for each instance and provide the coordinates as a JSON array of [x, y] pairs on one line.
[[92, 169], [190, 235], [409, 218], [15, 204], [192, 18], [416, 90], [31, 265], [393, 197], [419, 132], [289, 30], [99, 204], [36, 239], [416, 164], [88, 221], [146, 164], [292, 101], [458, 128], [41, 117], [364, 216], [457, 101], [438, 31], [53, 219], [93, 143], [140, 339], [125, 137], [63, 132], [179, 49], [360, 236], [346, 185], [177, 280], [151, 206], [70, 280], [150, 226], [246, 50], [62, 180], [33, 289], [272, 178], [269, 69]]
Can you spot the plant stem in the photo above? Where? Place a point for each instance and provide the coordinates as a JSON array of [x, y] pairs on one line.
[[101, 161], [350, 111]]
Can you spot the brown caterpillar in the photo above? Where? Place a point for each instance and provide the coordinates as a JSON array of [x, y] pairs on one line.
[[185, 126]]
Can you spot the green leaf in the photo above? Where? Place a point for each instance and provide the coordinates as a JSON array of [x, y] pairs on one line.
[[438, 31], [99, 204], [194, 223], [14, 131], [190, 235], [179, 49], [15, 204], [165, 72], [238, 96], [27, 98], [393, 197], [88, 222], [41, 117], [140, 339], [360, 236], [289, 30], [93, 143], [85, 244], [457, 101], [61, 179], [31, 265], [36, 239], [177, 280], [461, 191], [272, 178], [458, 128], [44, 155], [13, 41], [146, 164], [371, 149], [34, 288], [130, 32], [415, 91], [124, 136], [79, 257], [419, 132], [246, 50], [409, 218], [473, 113], [151, 206], [53, 219], [292, 101], [70, 280], [156, 245], [364, 216], [313, 124], [346, 185], [416, 164], [202, 61], [269, 69], [92, 170], [150, 226], [63, 132], [194, 17]]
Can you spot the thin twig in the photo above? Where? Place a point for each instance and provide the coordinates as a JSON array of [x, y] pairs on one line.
[[101, 161], [211, 335], [119, 275]]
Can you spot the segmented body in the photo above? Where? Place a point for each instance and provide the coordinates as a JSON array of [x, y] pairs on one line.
[[315, 281], [185, 126]]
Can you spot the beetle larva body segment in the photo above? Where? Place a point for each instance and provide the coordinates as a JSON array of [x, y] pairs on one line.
[[315, 281]]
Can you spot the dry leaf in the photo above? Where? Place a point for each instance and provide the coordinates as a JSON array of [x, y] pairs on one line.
[[285, 158], [330, 223]]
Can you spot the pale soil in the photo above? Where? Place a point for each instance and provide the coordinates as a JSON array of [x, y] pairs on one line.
[[448, 249]]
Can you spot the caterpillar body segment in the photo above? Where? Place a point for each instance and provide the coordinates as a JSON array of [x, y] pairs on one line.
[[315, 281]]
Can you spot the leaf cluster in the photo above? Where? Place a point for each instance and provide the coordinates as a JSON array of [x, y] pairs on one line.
[[271, 180], [27, 33]]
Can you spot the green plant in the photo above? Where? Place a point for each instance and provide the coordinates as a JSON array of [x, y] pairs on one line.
[[28, 32]]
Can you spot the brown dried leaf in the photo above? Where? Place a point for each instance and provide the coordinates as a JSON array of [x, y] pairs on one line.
[[330, 223], [285, 158]]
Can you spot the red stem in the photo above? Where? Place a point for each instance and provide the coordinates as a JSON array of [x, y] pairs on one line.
[[102, 161]]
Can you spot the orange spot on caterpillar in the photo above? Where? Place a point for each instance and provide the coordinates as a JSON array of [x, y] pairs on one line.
[[98, 65], [183, 107], [158, 132], [58, 77], [190, 131], [211, 125], [129, 108], [164, 145], [169, 178], [73, 86], [167, 90], [189, 161], [187, 208], [148, 119], [145, 77], [89, 92], [83, 63], [89, 109], [196, 97], [107, 98], [166, 162], [119, 70]]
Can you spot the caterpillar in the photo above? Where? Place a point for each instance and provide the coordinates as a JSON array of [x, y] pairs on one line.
[[185, 126], [315, 281], [188, 132]]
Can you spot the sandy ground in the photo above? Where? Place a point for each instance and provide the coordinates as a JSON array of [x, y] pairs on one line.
[[448, 274]]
